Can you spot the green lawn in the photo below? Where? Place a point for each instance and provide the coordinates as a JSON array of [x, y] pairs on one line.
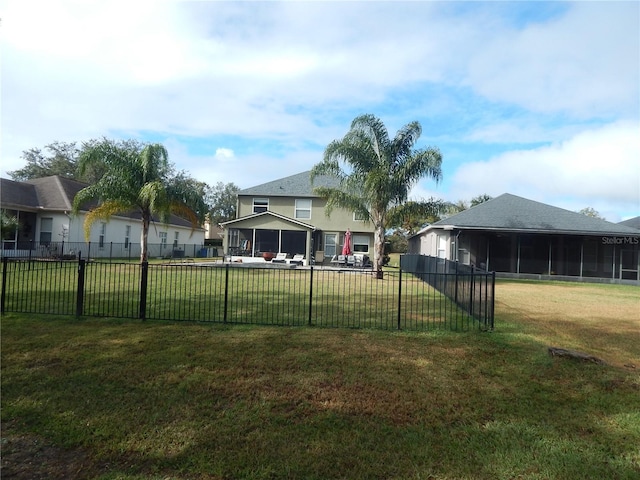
[[150, 400]]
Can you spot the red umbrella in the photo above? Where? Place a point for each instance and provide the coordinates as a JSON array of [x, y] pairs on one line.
[[346, 248]]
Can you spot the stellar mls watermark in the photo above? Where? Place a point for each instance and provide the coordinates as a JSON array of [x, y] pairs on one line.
[[620, 240]]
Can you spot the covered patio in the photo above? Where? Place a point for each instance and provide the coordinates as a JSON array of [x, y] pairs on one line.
[[256, 238]]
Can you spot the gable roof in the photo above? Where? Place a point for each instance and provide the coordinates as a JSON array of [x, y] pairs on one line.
[[632, 222], [298, 185], [48, 193], [56, 192], [271, 214], [512, 213]]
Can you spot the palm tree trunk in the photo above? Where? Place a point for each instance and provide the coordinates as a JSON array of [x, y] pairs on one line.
[[144, 237], [378, 251]]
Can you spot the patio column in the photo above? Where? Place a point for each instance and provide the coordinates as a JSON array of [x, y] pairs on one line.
[[253, 244]]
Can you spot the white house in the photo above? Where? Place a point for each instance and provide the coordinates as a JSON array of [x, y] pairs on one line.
[[47, 227]]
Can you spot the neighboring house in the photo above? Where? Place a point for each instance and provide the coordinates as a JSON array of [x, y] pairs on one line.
[[285, 216], [632, 222], [47, 227], [520, 237]]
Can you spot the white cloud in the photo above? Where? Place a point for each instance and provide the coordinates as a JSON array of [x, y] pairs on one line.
[[224, 154], [584, 63], [598, 168]]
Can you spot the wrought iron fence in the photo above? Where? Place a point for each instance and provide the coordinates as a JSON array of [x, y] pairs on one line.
[[246, 294], [109, 251], [470, 288]]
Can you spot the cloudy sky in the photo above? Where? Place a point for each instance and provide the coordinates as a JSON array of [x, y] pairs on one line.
[[537, 99]]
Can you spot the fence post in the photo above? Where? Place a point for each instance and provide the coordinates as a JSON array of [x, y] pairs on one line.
[[80, 292], [399, 296], [4, 283], [455, 296], [310, 295], [472, 292], [493, 296], [226, 291], [144, 278]]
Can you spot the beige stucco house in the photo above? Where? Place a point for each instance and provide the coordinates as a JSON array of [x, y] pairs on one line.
[[286, 216]]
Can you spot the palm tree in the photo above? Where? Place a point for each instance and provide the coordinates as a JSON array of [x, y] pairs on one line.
[[138, 178], [378, 173]]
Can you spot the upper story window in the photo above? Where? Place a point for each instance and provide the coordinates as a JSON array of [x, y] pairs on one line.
[[358, 217], [303, 208], [260, 205]]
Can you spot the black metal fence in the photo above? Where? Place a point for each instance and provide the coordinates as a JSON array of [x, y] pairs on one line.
[[110, 251], [248, 294], [470, 288]]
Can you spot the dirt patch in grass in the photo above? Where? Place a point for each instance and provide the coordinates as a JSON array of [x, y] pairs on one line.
[[30, 457]]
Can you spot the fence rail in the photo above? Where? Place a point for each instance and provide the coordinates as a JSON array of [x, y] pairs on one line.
[[232, 293], [112, 251]]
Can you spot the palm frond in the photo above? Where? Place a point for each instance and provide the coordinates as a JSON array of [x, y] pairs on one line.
[[103, 211]]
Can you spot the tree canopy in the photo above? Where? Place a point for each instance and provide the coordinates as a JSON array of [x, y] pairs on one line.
[[375, 173], [591, 212], [222, 198], [138, 178], [58, 158]]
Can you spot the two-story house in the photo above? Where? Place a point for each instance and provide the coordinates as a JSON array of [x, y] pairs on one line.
[[286, 216], [47, 227]]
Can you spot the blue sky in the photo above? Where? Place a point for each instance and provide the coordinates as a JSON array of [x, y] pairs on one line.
[[537, 99]]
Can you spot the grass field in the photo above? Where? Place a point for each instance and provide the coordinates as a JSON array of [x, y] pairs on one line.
[[123, 399]]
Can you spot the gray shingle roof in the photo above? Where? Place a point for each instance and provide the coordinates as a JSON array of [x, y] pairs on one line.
[[512, 213], [54, 193], [17, 195], [632, 222], [298, 185]]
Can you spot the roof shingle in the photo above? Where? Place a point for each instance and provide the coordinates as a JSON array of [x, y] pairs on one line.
[[512, 213], [298, 185]]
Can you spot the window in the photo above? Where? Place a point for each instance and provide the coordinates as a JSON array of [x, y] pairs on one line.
[[303, 208], [102, 235], [163, 239], [175, 239], [358, 217], [442, 247], [360, 243], [260, 205], [127, 236], [46, 227]]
